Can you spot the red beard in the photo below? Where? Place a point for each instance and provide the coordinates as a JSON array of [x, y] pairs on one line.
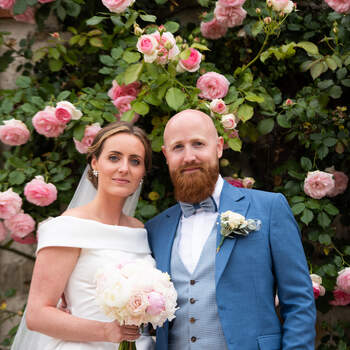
[[197, 186]]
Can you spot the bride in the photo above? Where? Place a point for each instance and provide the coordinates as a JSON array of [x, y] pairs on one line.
[[73, 246]]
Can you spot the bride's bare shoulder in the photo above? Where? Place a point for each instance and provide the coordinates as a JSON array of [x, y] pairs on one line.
[[78, 212], [133, 222]]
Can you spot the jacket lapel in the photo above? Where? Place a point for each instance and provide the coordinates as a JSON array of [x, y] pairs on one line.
[[232, 198], [166, 238]]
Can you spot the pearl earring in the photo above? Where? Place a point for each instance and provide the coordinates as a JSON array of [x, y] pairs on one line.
[[95, 172]]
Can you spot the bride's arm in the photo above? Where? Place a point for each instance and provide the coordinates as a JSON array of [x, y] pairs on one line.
[[52, 270]]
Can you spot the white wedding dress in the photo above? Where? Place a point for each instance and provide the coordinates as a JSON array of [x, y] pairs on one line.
[[100, 244]]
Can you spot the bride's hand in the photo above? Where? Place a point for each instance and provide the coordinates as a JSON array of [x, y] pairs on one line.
[[115, 333]]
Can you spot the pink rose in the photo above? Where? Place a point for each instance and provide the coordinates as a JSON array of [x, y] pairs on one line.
[[20, 225], [137, 305], [65, 111], [231, 2], [123, 103], [147, 44], [341, 182], [213, 29], [231, 16], [248, 182], [289, 102], [27, 16], [29, 239], [45, 1], [46, 123], [156, 303], [234, 182], [318, 290], [7, 4], [10, 204], [117, 6], [212, 85], [115, 91], [218, 106], [192, 63], [341, 6], [132, 89], [318, 183], [340, 298], [228, 121], [39, 192], [89, 135], [14, 132], [343, 280], [3, 231]]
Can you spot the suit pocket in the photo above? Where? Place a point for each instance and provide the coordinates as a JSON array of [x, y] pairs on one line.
[[270, 342]]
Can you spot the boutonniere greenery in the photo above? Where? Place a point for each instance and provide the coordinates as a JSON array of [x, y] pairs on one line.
[[234, 224]]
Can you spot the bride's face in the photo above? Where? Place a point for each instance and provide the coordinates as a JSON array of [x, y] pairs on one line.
[[121, 165]]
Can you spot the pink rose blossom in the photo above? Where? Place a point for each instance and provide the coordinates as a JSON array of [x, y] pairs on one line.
[[231, 16], [289, 102], [228, 121], [156, 303], [10, 204], [65, 111], [123, 103], [147, 44], [341, 182], [117, 90], [27, 16], [231, 2], [234, 182], [192, 63], [45, 1], [3, 231], [318, 290], [7, 4], [248, 182], [343, 280], [318, 183], [340, 298], [89, 135], [46, 123], [39, 192], [137, 306], [29, 239], [213, 29], [341, 6], [14, 132], [212, 85], [218, 106], [117, 6], [20, 225]]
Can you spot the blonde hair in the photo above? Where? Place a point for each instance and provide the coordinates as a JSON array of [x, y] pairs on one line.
[[95, 150]]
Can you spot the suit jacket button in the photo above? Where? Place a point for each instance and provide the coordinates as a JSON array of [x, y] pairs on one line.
[[192, 282], [193, 339], [192, 300], [192, 320]]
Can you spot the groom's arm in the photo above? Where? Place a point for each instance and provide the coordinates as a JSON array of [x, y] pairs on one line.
[[294, 285]]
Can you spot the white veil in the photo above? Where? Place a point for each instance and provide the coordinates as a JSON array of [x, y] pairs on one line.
[[85, 192]]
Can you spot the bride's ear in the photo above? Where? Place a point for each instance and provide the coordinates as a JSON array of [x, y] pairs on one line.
[[93, 163]]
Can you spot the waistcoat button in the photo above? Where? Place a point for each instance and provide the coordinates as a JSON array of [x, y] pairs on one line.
[[193, 339], [192, 320], [192, 282], [192, 300]]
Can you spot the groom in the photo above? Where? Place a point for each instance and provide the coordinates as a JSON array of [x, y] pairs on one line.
[[226, 298]]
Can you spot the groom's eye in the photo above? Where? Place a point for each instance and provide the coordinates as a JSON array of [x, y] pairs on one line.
[[177, 147]]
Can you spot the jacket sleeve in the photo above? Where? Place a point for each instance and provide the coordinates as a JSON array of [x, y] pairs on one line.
[[294, 284]]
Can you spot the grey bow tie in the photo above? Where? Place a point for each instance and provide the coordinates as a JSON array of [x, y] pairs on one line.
[[189, 209]]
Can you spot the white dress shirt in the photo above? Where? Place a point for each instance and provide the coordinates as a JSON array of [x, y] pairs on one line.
[[195, 231]]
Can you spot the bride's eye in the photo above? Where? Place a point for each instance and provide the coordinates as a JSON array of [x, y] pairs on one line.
[[135, 161], [113, 158]]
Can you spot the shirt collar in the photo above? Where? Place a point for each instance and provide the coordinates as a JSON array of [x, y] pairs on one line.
[[217, 191]]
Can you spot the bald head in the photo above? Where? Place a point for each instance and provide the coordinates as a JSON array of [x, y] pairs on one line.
[[192, 119]]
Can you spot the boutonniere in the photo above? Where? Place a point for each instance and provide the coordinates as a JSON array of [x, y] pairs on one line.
[[233, 224]]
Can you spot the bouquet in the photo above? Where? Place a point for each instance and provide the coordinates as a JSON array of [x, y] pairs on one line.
[[136, 293]]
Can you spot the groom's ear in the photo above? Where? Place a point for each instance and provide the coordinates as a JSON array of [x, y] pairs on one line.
[[164, 151], [220, 146]]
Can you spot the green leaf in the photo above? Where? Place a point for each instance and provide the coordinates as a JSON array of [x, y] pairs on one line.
[[73, 9], [335, 91], [148, 18], [200, 47], [257, 28], [109, 117], [347, 250], [9, 293], [19, 7], [313, 204], [54, 53], [28, 108], [323, 219], [55, 65], [37, 100], [325, 239], [16, 177], [17, 162], [148, 210], [184, 55], [61, 13], [331, 63], [96, 42], [309, 47], [346, 82], [296, 175], [306, 163], [132, 73], [107, 60], [325, 84], [307, 216], [38, 55], [175, 98], [330, 141], [128, 116], [341, 73], [140, 108], [316, 70], [171, 26], [117, 52], [23, 81], [265, 126], [330, 270], [331, 209], [63, 95], [298, 208], [79, 131], [131, 57], [245, 112], [95, 20], [297, 199], [254, 98], [283, 121], [235, 144]]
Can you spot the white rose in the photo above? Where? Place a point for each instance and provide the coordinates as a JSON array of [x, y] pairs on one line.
[[235, 220], [228, 121]]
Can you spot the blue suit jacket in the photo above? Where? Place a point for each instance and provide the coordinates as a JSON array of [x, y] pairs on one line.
[[247, 272]]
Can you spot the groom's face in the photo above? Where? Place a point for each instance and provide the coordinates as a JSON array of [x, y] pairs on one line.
[[192, 149]]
